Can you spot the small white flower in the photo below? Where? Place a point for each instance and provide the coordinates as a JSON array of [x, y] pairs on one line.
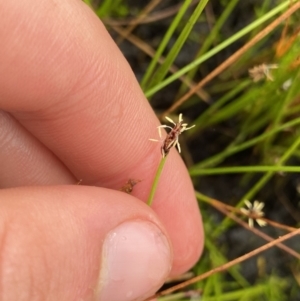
[[262, 71], [171, 139], [255, 209]]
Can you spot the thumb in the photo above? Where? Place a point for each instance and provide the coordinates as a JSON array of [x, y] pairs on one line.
[[79, 243]]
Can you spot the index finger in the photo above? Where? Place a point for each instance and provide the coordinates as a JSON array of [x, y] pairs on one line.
[[65, 80]]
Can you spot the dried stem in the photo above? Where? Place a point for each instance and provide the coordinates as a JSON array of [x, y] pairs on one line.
[[234, 57], [227, 265]]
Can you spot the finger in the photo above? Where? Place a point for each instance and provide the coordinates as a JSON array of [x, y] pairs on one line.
[[77, 95], [25, 161], [109, 246]]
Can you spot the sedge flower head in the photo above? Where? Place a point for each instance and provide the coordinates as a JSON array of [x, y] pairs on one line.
[[171, 139], [262, 71], [254, 209]]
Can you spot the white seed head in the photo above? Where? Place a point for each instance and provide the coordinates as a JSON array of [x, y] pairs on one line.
[[171, 139], [254, 209]]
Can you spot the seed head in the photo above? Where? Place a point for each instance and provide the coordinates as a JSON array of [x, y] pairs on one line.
[[255, 209], [262, 71], [171, 139]]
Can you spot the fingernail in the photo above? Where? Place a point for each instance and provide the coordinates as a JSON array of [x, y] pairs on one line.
[[136, 259]]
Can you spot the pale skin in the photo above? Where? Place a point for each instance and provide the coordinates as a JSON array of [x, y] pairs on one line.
[[65, 93]]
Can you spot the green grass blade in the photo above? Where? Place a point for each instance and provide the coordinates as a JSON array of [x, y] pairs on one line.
[[164, 43], [217, 49], [259, 185], [243, 169], [156, 180], [282, 109], [212, 37], [202, 121], [237, 148], [164, 68]]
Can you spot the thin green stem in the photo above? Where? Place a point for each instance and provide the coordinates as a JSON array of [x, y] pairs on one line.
[[164, 43], [156, 179], [289, 152], [212, 37], [162, 71], [283, 107], [217, 49], [244, 169], [258, 186], [237, 148]]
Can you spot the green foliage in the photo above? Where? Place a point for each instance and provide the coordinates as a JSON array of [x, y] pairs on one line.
[[160, 74], [255, 124]]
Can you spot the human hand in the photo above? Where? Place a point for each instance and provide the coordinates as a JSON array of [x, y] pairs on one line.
[[72, 109]]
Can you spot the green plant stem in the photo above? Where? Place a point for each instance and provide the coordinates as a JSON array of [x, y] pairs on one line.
[[212, 37], [217, 49], [258, 186], [164, 43], [202, 121], [244, 169], [162, 71], [237, 148], [283, 107], [156, 179], [289, 152]]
